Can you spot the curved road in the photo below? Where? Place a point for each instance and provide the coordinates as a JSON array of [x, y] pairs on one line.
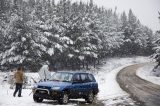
[[142, 91]]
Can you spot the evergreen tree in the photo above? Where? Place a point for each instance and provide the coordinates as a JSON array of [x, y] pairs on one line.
[[156, 54], [34, 32]]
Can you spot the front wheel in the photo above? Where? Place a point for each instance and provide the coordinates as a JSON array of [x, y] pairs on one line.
[[90, 97], [37, 99], [64, 99]]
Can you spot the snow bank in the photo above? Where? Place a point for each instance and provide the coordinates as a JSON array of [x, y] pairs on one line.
[[146, 73]]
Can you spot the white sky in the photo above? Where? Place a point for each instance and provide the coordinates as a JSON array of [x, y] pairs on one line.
[[145, 10]]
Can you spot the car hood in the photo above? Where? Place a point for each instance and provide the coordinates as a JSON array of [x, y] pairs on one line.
[[54, 84]]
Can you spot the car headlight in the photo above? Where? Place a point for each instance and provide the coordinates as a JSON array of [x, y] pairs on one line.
[[55, 88]]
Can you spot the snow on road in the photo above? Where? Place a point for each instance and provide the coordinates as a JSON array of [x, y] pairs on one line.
[[147, 73], [110, 92]]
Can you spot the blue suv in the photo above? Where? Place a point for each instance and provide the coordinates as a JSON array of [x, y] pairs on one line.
[[67, 85]]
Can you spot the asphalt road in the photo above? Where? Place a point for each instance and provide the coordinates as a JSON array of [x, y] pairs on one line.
[[142, 91]]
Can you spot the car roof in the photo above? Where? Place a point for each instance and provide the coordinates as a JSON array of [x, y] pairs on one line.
[[74, 72]]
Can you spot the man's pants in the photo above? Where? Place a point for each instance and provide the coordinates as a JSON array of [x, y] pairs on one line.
[[18, 89]]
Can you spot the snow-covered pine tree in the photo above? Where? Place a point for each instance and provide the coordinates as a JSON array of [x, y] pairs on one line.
[[112, 37], [125, 29], [93, 44], [4, 7], [156, 54], [47, 24], [22, 43], [132, 26]]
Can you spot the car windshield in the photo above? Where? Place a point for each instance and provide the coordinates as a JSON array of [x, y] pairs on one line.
[[62, 76]]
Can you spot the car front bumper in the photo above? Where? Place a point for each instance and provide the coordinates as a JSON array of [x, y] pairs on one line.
[[47, 94]]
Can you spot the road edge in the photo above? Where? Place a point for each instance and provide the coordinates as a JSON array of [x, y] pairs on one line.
[[125, 88]]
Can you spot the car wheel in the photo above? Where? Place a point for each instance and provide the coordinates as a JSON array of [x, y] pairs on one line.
[[37, 99], [64, 99], [90, 97]]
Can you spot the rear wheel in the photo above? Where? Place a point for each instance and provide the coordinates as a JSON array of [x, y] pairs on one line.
[[37, 99], [64, 99], [90, 97]]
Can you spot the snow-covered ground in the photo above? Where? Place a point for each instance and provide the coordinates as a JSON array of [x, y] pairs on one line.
[[110, 92], [148, 74]]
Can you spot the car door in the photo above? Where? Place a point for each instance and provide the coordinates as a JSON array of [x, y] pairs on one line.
[[93, 83], [86, 86], [76, 86]]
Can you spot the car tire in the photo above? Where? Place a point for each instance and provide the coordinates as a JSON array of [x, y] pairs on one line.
[[37, 99], [90, 97], [64, 99]]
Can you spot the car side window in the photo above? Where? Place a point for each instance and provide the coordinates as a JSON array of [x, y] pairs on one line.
[[76, 78], [91, 78], [84, 78]]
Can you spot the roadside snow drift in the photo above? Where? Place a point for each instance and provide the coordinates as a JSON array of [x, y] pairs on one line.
[[148, 74]]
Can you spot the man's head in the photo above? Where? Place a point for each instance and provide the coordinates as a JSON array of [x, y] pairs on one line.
[[20, 69]]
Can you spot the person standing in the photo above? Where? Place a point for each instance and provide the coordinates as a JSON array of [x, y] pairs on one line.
[[19, 77]]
